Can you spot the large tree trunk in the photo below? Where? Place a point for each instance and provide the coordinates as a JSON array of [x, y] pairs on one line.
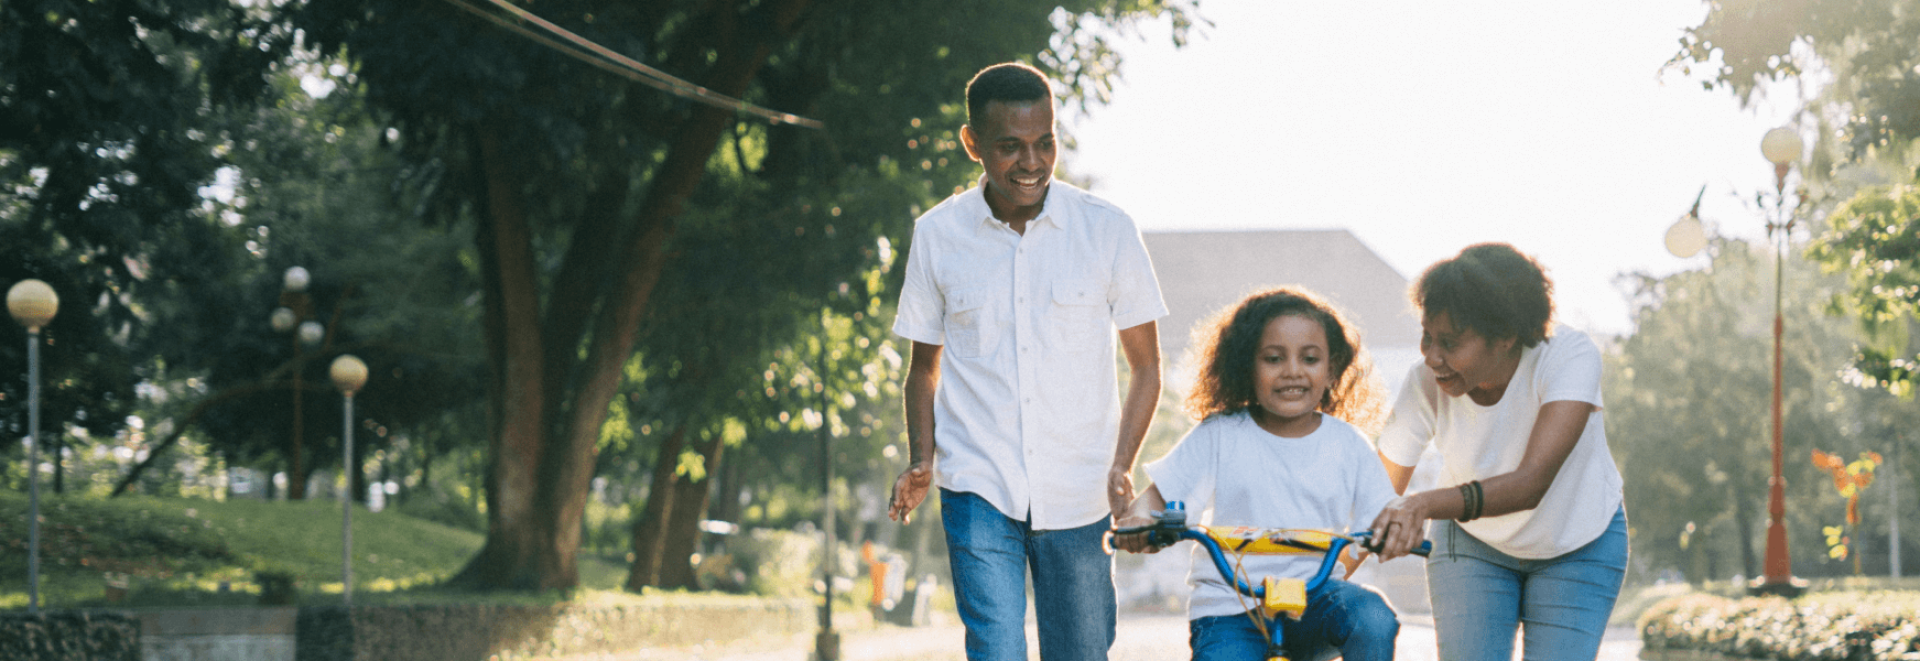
[[648, 537], [515, 552], [547, 415], [683, 528]]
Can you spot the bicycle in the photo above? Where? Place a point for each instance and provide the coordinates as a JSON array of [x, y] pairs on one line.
[[1277, 596]]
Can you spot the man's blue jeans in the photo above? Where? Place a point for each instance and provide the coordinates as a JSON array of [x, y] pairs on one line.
[[1480, 595], [1342, 619], [990, 555]]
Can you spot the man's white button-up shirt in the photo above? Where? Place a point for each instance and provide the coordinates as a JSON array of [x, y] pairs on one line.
[[1027, 411]]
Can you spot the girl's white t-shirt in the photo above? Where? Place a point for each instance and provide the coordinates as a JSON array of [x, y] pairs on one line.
[[1478, 442], [1230, 472]]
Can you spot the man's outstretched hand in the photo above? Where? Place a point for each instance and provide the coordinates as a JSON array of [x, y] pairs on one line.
[[908, 490]]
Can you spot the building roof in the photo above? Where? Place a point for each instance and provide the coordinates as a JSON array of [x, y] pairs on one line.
[[1203, 272]]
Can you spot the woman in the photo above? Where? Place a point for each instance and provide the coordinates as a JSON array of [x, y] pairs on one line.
[[1532, 528]]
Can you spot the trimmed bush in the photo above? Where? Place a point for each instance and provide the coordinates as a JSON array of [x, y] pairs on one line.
[[69, 636], [506, 632], [1838, 626]]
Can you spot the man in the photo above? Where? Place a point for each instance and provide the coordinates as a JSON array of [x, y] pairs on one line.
[[1013, 289]]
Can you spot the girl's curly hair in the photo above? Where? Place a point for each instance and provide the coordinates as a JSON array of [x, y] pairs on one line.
[[1230, 342]]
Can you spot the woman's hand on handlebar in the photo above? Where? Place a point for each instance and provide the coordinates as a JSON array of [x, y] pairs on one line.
[[1400, 526]]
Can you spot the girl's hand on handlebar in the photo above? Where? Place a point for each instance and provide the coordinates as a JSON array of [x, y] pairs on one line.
[[1399, 527], [1136, 542]]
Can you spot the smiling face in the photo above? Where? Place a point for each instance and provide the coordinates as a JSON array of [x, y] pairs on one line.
[[1015, 143], [1291, 371], [1466, 363]]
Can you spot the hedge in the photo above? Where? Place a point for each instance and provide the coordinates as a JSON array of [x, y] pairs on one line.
[[69, 636], [1873, 625], [505, 633]]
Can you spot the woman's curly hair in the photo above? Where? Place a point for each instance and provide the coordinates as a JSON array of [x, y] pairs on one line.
[[1493, 289], [1230, 342]]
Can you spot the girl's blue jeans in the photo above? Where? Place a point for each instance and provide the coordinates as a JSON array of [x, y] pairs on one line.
[[991, 554], [1342, 619], [1481, 595]]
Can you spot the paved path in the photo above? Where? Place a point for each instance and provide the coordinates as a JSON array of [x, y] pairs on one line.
[[1140, 638]]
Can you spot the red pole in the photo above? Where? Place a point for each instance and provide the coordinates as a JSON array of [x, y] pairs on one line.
[[1779, 564]]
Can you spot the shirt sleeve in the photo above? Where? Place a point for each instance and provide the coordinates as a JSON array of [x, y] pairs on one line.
[[1409, 425], [1570, 369], [921, 314], [1134, 296], [1186, 472]]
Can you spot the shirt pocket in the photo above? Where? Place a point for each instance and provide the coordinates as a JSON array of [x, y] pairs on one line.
[[1079, 315], [969, 332]]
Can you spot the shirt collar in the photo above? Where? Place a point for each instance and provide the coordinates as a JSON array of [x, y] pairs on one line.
[[1054, 212]]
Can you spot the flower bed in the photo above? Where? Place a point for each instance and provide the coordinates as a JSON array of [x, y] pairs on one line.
[[1877, 625]]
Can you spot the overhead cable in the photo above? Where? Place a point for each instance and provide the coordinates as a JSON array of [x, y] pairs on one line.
[[586, 50]]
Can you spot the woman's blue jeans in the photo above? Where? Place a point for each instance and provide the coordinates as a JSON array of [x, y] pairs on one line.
[[1342, 619], [990, 555], [1480, 595]]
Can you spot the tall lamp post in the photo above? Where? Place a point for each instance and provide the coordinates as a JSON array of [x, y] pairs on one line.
[[826, 644], [293, 312], [33, 304], [1782, 147], [348, 373]]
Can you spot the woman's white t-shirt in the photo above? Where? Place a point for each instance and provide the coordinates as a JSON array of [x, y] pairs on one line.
[[1330, 479], [1478, 442]]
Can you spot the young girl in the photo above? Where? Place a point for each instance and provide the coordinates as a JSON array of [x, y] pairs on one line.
[[1279, 373]]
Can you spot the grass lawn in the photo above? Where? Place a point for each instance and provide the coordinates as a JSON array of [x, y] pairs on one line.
[[178, 551]]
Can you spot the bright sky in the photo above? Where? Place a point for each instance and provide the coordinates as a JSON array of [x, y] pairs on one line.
[[1424, 127]]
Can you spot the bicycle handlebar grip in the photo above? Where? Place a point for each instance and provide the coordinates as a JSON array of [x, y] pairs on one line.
[[1425, 549]]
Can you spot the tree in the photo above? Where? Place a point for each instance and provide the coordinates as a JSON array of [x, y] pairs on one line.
[[579, 181], [308, 181], [1687, 410], [101, 159], [1866, 57]]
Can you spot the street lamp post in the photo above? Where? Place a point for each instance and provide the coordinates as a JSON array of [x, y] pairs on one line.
[[827, 643], [1782, 147], [348, 373], [33, 304], [292, 313]]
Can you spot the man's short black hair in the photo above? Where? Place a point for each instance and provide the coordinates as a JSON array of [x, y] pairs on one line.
[[1011, 82]]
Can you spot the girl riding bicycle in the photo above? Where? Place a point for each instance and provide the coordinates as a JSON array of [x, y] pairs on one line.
[[1279, 373]]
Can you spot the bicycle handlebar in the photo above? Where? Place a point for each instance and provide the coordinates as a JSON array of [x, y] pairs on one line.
[[1170, 526]]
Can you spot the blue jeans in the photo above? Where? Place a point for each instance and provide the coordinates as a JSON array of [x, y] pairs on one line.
[[1342, 619], [991, 553], [1480, 595]]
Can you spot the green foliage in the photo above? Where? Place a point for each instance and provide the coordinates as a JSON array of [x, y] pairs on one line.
[[1688, 407], [1874, 239], [101, 158], [1864, 53], [1864, 59]]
